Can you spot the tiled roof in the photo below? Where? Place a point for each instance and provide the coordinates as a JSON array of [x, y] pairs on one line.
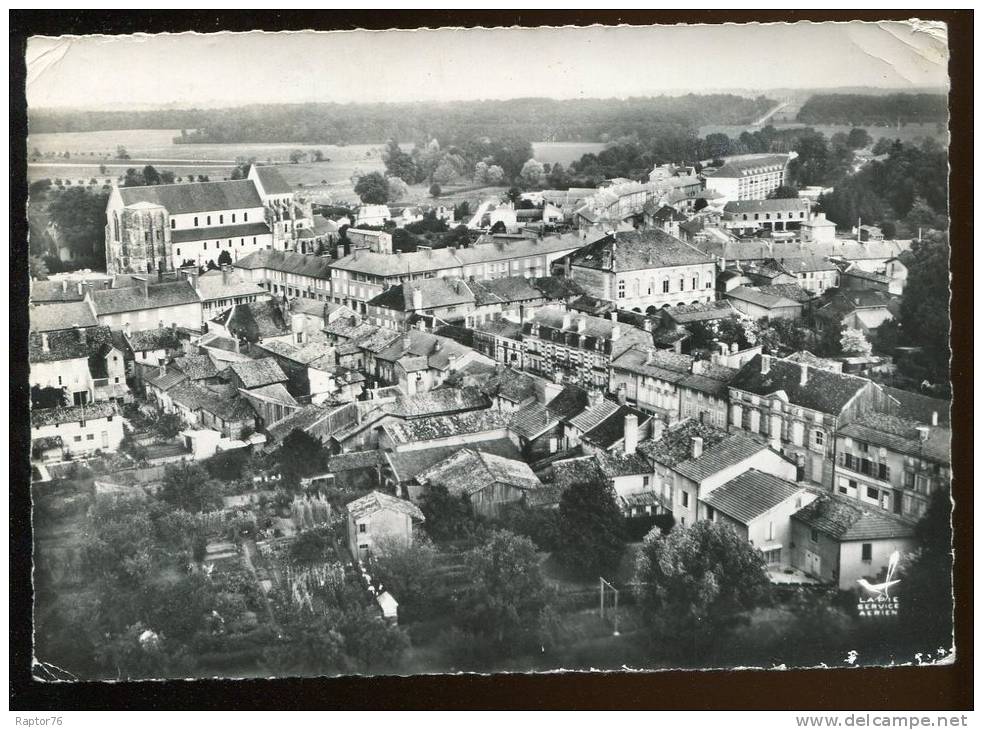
[[901, 436], [592, 415], [273, 392], [316, 267], [750, 495], [64, 290], [195, 197], [171, 377], [596, 333], [407, 464], [612, 429], [469, 471], [131, 299], [441, 401], [504, 291], [356, 460], [824, 391], [439, 292], [675, 445], [724, 454], [846, 519], [512, 385], [68, 344], [55, 416], [557, 287], [848, 249], [568, 403], [439, 427], [920, 407], [271, 180], [165, 338], [505, 328], [217, 233], [802, 264], [257, 373], [815, 361], [794, 292], [649, 361], [303, 420], [255, 321], [225, 285], [703, 312], [566, 472], [756, 296], [379, 502], [637, 250], [61, 316], [196, 367], [223, 401], [531, 420], [747, 165], [617, 464], [771, 205]]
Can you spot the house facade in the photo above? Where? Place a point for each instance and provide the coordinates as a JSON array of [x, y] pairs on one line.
[[378, 520], [748, 177], [82, 430]]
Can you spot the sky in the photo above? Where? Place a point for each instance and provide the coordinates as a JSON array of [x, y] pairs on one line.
[[225, 69]]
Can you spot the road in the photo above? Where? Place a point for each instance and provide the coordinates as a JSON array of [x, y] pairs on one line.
[[770, 114]]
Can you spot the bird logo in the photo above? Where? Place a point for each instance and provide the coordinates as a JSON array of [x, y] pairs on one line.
[[882, 590]]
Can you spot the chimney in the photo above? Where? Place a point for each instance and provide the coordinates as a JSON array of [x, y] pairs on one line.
[[64, 286], [615, 333], [407, 341], [935, 418], [594, 397], [765, 364], [622, 395], [733, 348], [226, 274], [44, 342], [567, 321], [80, 331], [656, 427], [631, 433], [581, 325], [647, 325], [417, 299], [126, 329], [696, 446], [162, 368], [614, 316], [803, 374], [236, 345], [922, 433], [79, 287]]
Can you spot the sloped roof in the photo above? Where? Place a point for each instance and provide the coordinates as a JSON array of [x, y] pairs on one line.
[[317, 267], [505, 290], [722, 455], [257, 373], [794, 292], [131, 299], [271, 180], [617, 464], [196, 367], [61, 316], [356, 460], [215, 233], [846, 520], [225, 285], [566, 472], [437, 402], [275, 392], [568, 402], [170, 378], [702, 312], [770, 205], [901, 436], [469, 471], [165, 338], [512, 385], [636, 250], [500, 328], [557, 287], [756, 296], [438, 292], [592, 415], [439, 427], [920, 407], [255, 321], [750, 495], [195, 197], [595, 335], [744, 165], [612, 429], [663, 364], [824, 391], [407, 464], [380, 502], [532, 420], [68, 414], [68, 344], [675, 446]]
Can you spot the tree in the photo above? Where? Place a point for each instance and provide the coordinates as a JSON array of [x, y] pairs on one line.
[[495, 175], [592, 530], [151, 176], [513, 194], [924, 314], [397, 188], [39, 270], [296, 156], [783, 191], [406, 570], [854, 342], [225, 258], [121, 153], [480, 175], [559, 177], [399, 163], [51, 397], [309, 547], [318, 156], [448, 516], [372, 189], [79, 215], [531, 173], [858, 138], [188, 486], [696, 582], [506, 590], [300, 455], [133, 178], [141, 653], [445, 172], [168, 425], [926, 577], [435, 190]]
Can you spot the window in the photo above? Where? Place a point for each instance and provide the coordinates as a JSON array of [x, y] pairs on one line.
[[221, 219], [178, 251], [867, 552], [818, 438], [773, 556], [208, 220], [233, 217], [196, 221], [645, 481], [710, 514], [771, 530], [621, 290], [206, 245], [173, 223], [665, 286], [883, 472], [105, 439], [696, 282], [361, 527], [245, 218], [814, 536], [873, 493], [90, 437], [77, 439], [684, 496], [682, 284]]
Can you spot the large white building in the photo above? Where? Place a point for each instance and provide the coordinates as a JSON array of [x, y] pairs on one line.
[[162, 227], [749, 177]]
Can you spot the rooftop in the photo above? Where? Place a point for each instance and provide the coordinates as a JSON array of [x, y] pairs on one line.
[[441, 427], [61, 316], [770, 205], [469, 471], [68, 344], [317, 267], [196, 367], [441, 401], [744, 165], [901, 436], [257, 373], [271, 180], [132, 299], [846, 519], [379, 502], [407, 464], [209, 233], [219, 284], [918, 407], [584, 331], [195, 197], [611, 430], [162, 338], [438, 292], [755, 295], [638, 250], [54, 416], [750, 495], [504, 291], [824, 391], [256, 321]]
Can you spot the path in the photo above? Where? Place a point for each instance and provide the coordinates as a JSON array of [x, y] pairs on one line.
[[770, 114], [248, 547]]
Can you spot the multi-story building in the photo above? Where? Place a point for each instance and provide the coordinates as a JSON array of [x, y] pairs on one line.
[[813, 273], [892, 462], [671, 386], [290, 274], [749, 177], [226, 287], [79, 430], [149, 304], [162, 227], [800, 408], [559, 345], [86, 363], [776, 215], [644, 270], [499, 339]]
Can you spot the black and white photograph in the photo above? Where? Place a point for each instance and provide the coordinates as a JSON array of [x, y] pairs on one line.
[[448, 350]]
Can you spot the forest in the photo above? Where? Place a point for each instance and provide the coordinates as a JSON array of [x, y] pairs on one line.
[[536, 119], [862, 109]]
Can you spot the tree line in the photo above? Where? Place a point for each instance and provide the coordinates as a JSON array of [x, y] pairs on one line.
[[870, 110], [573, 120]]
